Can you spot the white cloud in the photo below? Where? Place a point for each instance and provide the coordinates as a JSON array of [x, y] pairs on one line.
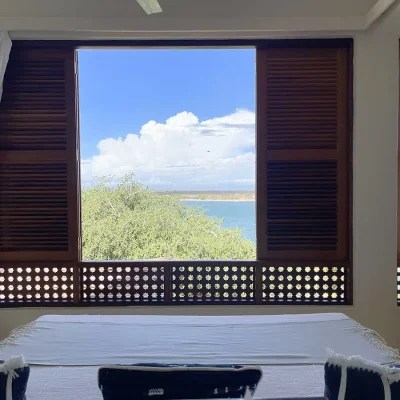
[[182, 154]]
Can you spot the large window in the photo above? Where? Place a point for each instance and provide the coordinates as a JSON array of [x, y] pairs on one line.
[[302, 177], [168, 154]]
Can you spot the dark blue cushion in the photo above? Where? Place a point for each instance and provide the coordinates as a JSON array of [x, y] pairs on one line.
[[20, 376], [167, 381], [362, 383]]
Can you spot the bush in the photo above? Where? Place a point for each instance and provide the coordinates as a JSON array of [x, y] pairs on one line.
[[131, 222]]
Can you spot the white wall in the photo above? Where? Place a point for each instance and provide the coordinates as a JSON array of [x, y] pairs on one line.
[[375, 188], [376, 94]]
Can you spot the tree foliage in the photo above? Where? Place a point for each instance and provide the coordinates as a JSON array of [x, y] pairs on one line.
[[128, 221]]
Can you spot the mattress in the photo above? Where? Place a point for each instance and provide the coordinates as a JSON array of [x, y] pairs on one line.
[[65, 351]]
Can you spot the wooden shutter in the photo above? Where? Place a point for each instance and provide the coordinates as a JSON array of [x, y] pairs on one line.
[[38, 157], [303, 141]]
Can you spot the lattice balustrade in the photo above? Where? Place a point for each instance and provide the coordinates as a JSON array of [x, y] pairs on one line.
[[213, 283], [180, 282], [122, 283], [36, 284], [313, 284]]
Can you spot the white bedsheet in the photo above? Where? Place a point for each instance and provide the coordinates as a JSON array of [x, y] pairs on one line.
[[65, 351], [260, 340]]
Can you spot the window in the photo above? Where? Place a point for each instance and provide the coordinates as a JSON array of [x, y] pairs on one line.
[[167, 153], [303, 179]]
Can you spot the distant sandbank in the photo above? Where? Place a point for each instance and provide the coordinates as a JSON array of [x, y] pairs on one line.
[[212, 196], [231, 200]]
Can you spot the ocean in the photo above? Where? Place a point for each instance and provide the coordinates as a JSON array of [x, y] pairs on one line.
[[236, 214]]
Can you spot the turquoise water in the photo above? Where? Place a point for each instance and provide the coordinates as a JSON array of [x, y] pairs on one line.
[[236, 214]]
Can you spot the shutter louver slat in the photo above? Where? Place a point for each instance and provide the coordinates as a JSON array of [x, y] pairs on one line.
[[36, 85], [304, 167], [31, 217], [38, 221], [301, 102], [33, 108]]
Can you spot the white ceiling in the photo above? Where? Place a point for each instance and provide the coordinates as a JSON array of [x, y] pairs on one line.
[[248, 18], [390, 22], [186, 8]]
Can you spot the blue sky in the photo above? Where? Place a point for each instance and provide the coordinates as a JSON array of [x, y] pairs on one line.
[[202, 104]]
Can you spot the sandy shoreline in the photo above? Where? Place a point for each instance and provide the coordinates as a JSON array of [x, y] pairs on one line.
[[222, 200]]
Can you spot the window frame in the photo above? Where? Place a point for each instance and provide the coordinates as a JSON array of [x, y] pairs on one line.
[[262, 262]]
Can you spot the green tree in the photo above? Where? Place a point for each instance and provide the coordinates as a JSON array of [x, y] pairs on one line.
[[128, 221]]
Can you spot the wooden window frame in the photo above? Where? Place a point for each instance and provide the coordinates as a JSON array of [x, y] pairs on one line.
[[331, 268], [398, 203]]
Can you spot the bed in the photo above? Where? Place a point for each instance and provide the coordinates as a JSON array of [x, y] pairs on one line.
[[65, 351]]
